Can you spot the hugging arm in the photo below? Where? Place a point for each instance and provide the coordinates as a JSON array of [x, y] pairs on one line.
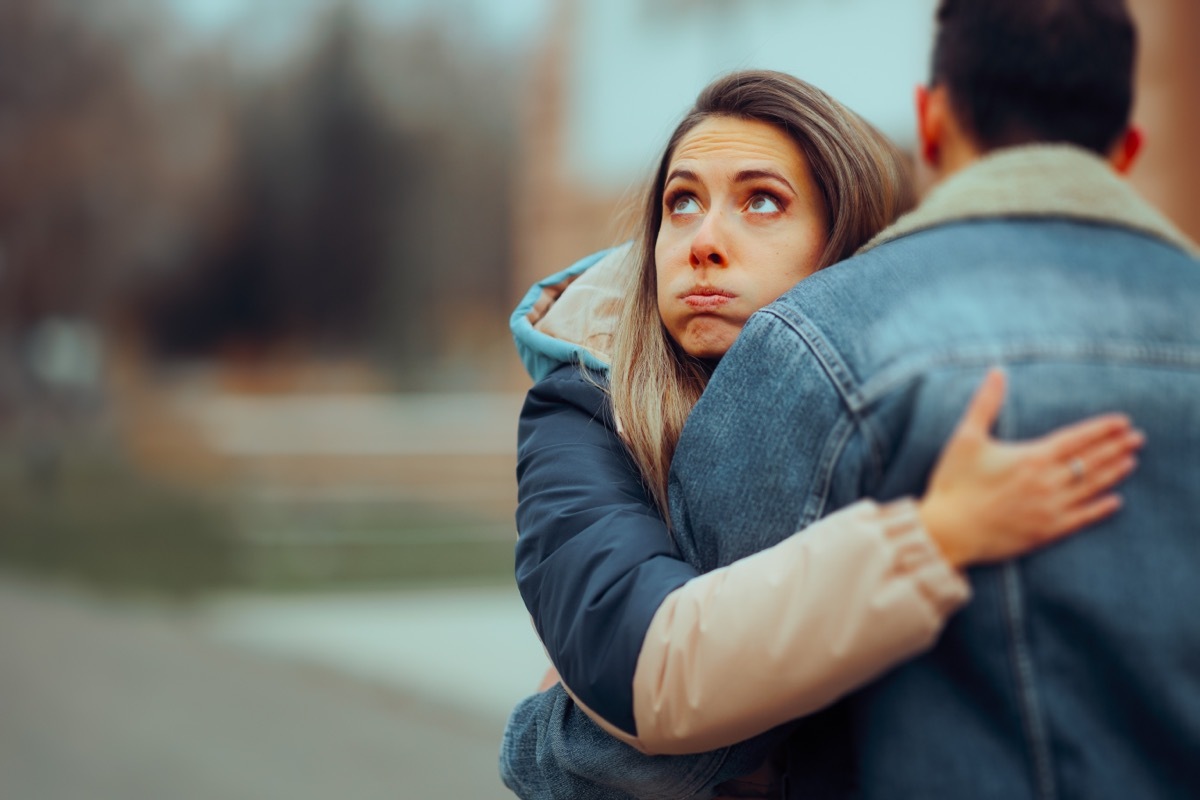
[[594, 562], [594, 559], [672, 661]]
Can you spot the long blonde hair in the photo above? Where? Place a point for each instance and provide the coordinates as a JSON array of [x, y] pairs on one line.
[[865, 183]]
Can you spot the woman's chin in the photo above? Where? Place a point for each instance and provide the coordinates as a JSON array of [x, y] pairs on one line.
[[707, 336], [708, 349]]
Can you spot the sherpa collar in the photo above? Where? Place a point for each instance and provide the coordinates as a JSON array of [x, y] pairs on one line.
[[1045, 180]]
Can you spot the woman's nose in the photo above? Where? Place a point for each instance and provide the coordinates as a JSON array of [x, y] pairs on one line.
[[708, 246]]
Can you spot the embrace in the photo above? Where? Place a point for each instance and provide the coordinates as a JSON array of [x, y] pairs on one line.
[[827, 493]]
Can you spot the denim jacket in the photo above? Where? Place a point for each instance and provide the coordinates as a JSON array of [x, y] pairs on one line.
[[1075, 671]]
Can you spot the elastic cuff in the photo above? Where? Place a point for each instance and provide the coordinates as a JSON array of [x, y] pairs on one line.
[[917, 556]]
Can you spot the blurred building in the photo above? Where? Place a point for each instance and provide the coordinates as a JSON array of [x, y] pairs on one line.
[[1168, 107]]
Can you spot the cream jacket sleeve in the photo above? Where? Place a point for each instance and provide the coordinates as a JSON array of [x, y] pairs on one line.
[[789, 630]]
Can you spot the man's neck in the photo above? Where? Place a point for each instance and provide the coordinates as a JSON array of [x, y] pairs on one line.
[[957, 154]]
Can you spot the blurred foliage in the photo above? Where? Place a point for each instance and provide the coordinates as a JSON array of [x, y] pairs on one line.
[[163, 198], [351, 199], [91, 519], [315, 543], [77, 152], [369, 195]]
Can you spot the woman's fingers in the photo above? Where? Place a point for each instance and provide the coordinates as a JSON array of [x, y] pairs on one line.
[[1067, 442], [985, 404], [1019, 495], [1083, 515], [1100, 478], [1096, 468], [1101, 452]]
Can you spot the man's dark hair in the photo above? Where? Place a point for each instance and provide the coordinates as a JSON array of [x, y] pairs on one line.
[[1025, 71]]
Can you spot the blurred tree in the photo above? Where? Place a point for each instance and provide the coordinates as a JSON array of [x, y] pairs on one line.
[[447, 287], [82, 207], [313, 182], [76, 165], [371, 192]]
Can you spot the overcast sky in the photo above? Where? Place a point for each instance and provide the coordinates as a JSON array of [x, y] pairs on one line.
[[636, 72]]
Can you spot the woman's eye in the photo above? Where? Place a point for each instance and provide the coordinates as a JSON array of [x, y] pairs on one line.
[[764, 204], [684, 204]]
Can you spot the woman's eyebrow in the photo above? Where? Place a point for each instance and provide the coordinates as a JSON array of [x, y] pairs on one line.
[[741, 177], [682, 174], [760, 174]]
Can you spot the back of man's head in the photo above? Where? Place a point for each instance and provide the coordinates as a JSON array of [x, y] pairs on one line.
[[1026, 71]]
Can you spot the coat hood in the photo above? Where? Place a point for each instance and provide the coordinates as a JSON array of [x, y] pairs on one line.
[[570, 317]]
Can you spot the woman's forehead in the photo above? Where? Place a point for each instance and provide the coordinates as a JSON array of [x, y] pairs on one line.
[[737, 141]]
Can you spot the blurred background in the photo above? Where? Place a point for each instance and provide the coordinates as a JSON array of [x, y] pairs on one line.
[[257, 394]]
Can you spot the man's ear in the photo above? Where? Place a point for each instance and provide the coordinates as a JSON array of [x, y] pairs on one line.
[[1125, 152], [931, 123]]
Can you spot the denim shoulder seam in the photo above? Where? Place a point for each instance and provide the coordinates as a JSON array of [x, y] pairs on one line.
[[830, 360], [846, 386], [835, 445]]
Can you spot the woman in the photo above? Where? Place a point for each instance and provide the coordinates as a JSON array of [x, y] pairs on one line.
[[764, 182]]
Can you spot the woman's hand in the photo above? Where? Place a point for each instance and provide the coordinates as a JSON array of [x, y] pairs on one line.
[[989, 500]]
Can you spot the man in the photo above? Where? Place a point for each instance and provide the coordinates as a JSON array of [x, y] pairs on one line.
[[1075, 672]]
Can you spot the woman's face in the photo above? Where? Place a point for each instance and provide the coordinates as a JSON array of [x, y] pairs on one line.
[[742, 222]]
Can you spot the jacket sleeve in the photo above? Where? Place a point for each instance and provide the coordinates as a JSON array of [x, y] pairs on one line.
[[594, 559], [553, 751], [670, 661], [787, 631]]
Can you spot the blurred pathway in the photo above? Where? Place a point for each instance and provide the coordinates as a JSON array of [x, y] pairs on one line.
[[472, 649], [384, 696]]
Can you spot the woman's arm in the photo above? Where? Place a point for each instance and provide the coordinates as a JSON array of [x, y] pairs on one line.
[[670, 661], [594, 559]]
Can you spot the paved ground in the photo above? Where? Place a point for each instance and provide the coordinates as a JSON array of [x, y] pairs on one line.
[[469, 649], [383, 696]]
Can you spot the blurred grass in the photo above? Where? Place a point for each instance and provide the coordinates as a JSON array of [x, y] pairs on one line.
[[315, 542], [91, 518], [94, 520]]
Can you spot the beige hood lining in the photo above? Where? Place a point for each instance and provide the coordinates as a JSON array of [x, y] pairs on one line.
[[583, 309]]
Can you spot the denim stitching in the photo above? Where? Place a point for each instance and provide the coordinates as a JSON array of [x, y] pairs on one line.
[[1030, 708], [837, 369], [875, 440], [835, 444], [899, 373], [852, 398], [1022, 659]]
